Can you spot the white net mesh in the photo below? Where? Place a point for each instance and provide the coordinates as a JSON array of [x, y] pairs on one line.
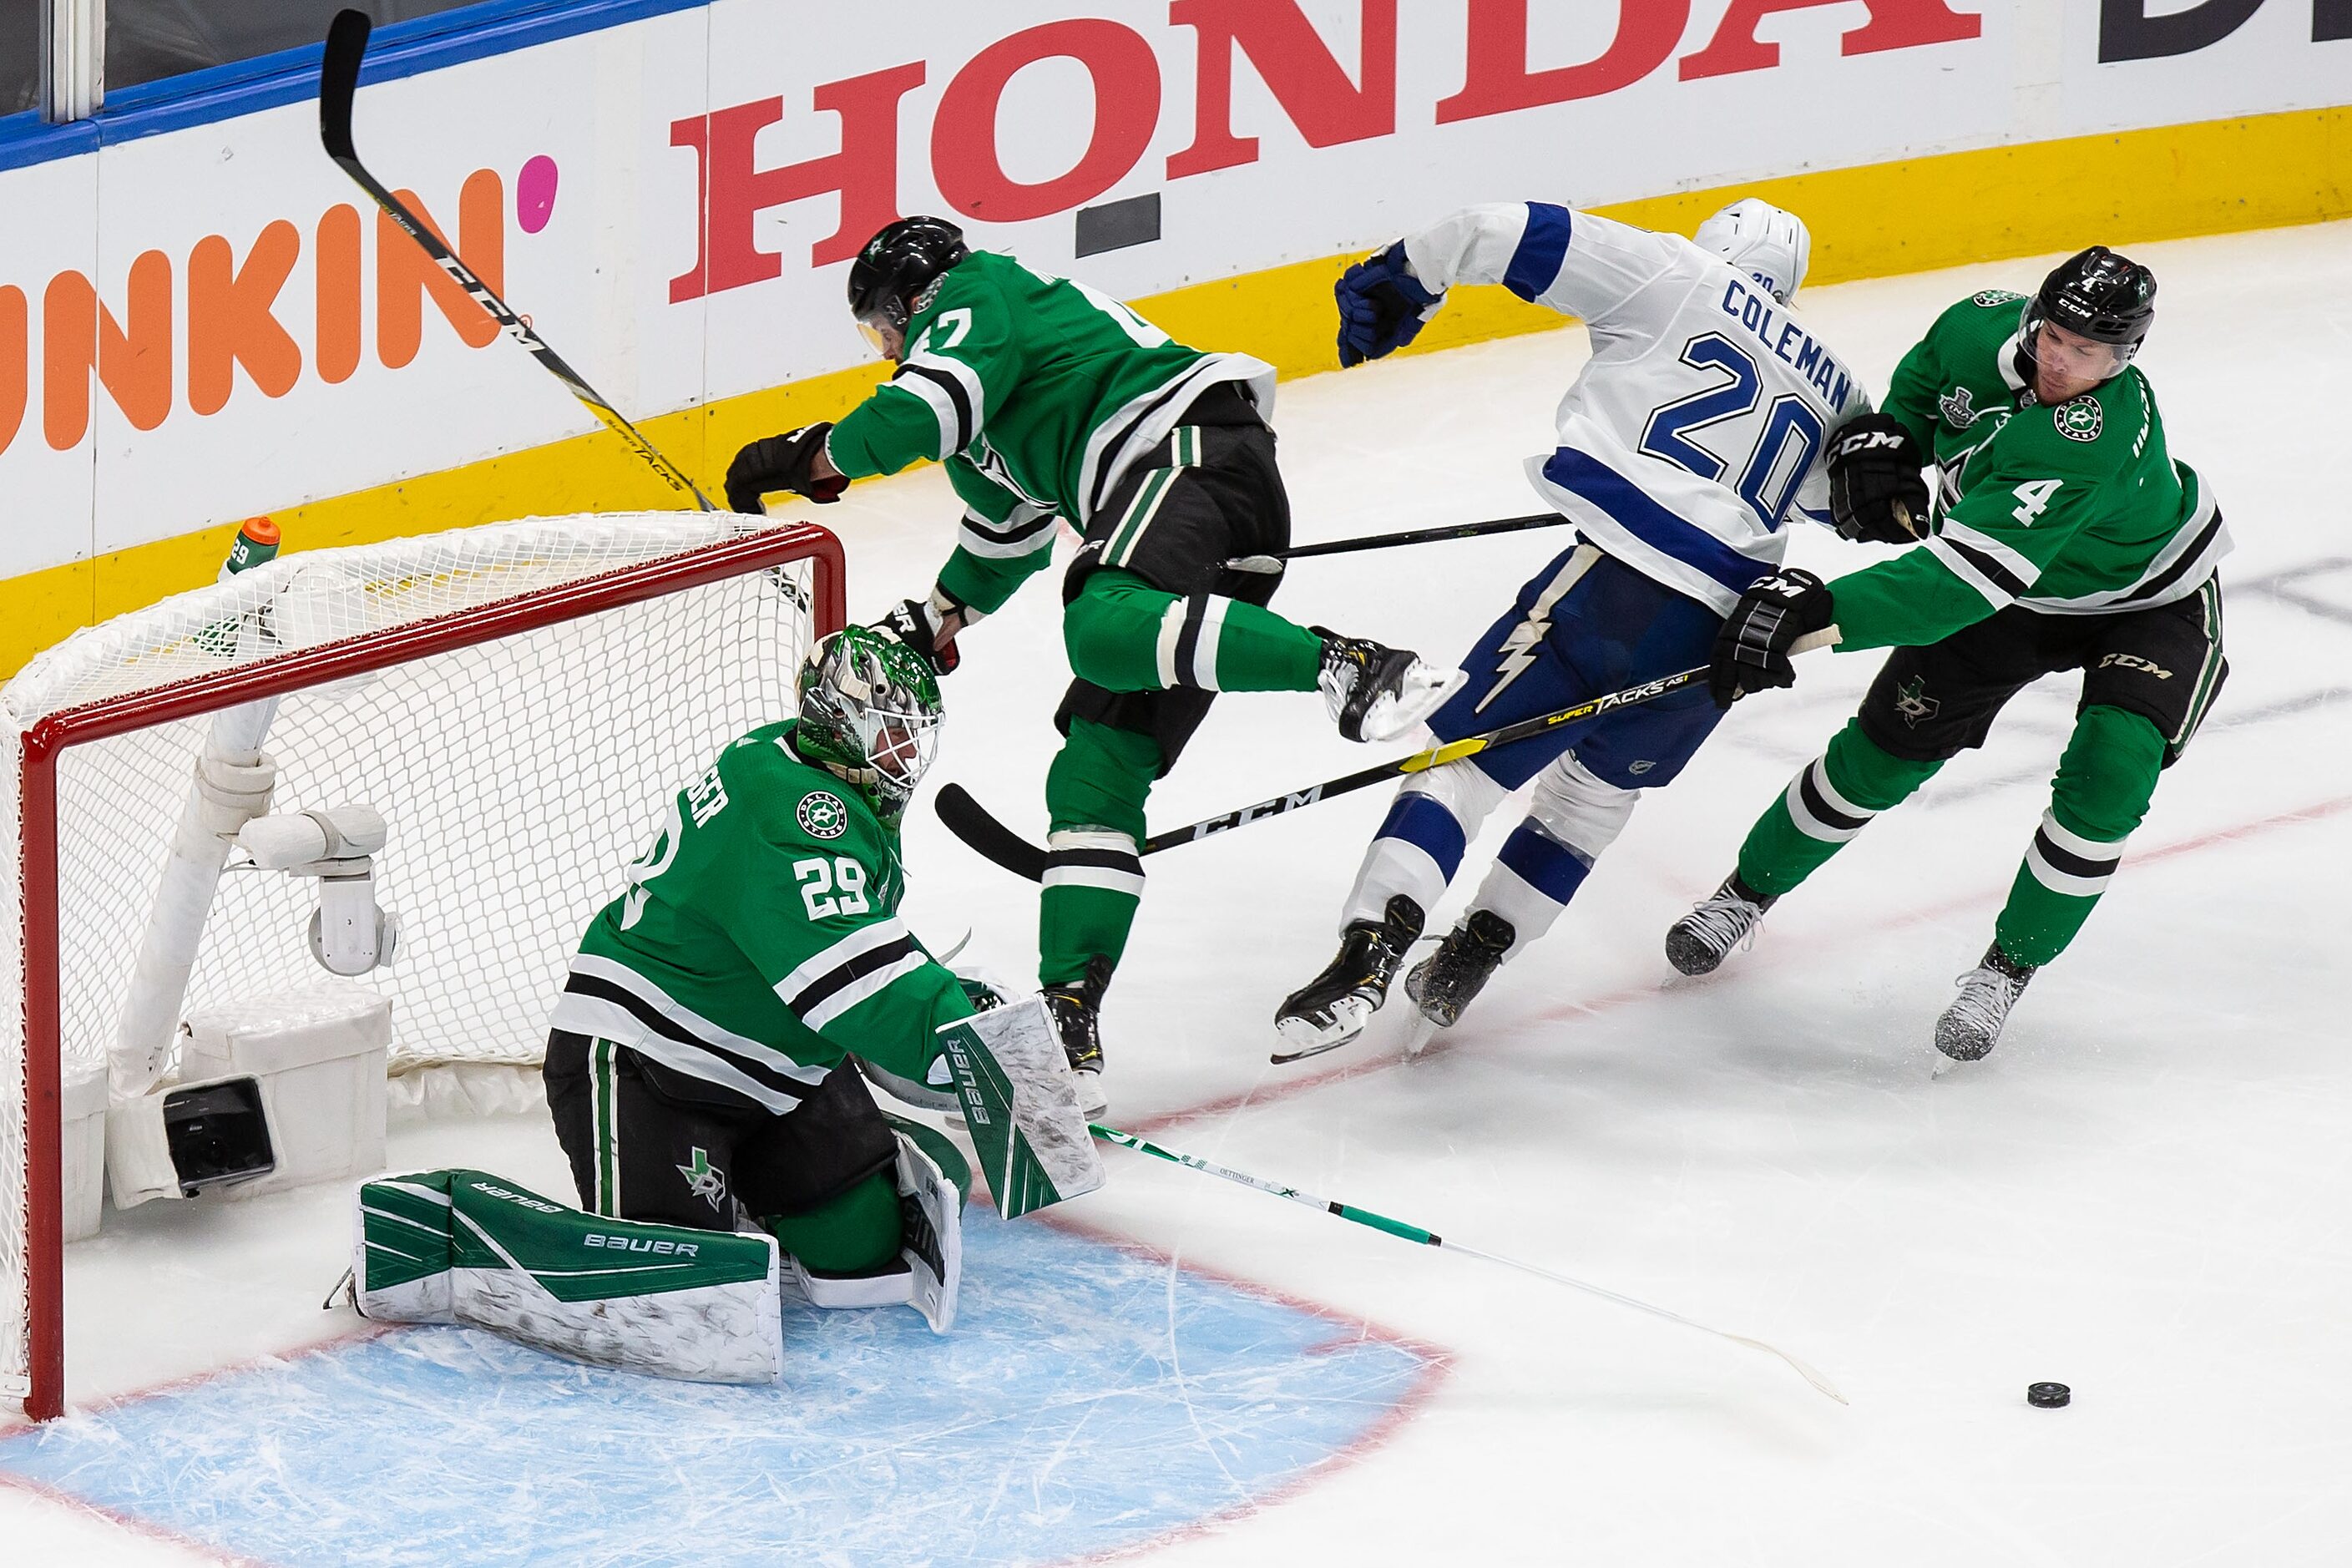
[[518, 777]]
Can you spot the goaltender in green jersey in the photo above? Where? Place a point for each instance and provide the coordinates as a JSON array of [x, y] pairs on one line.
[[705, 1072], [1048, 400], [708, 1059], [2065, 536]]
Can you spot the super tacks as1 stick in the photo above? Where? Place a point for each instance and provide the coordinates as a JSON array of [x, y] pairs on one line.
[[339, 80], [972, 822], [1413, 1233]]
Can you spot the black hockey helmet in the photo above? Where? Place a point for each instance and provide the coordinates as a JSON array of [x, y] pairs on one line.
[[897, 267], [2100, 295]]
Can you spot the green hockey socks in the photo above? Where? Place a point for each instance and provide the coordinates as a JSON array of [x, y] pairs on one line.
[[2105, 782], [1832, 799], [1095, 793], [1124, 635]]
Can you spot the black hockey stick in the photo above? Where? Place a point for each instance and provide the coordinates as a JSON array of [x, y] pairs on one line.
[[339, 80], [1269, 564], [972, 822]]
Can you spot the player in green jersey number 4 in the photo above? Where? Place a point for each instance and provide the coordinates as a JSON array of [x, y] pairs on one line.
[[2065, 537], [699, 1063], [1046, 399]]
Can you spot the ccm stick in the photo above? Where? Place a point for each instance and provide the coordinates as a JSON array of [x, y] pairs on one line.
[[973, 821], [1269, 564], [339, 80], [1429, 1238]]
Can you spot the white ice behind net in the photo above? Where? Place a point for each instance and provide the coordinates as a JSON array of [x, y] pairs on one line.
[[519, 778]]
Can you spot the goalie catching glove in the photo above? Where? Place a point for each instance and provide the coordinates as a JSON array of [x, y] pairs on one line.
[[1751, 651], [785, 462], [1875, 493]]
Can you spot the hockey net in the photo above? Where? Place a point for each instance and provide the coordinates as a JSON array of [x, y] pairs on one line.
[[518, 700]]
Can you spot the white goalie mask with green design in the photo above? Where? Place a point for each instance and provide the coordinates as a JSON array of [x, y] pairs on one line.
[[870, 714]]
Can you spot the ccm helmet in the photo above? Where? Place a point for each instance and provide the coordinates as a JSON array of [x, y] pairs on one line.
[[894, 275], [2100, 295]]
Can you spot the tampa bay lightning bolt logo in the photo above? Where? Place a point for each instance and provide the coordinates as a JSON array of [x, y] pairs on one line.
[[821, 815]]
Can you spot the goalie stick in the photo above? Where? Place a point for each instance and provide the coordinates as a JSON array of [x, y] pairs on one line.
[[973, 821], [339, 80], [1268, 565], [1413, 1233]]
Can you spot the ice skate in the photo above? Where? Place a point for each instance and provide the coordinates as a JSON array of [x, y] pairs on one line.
[[1077, 1008], [1332, 1009], [1445, 983], [1377, 692], [1971, 1026], [1703, 939]]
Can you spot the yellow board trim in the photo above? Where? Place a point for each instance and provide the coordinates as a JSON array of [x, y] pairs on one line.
[[2168, 182]]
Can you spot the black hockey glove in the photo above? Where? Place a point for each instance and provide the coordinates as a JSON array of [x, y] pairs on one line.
[[784, 462], [1382, 306], [1876, 491], [917, 623], [1751, 651]]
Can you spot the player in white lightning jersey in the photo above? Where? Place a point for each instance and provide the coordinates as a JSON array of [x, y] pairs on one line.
[[1686, 446]]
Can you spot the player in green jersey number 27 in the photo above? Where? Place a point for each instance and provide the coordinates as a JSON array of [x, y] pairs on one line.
[[1046, 399], [2064, 537]]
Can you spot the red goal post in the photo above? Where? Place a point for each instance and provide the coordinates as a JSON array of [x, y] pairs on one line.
[[519, 698]]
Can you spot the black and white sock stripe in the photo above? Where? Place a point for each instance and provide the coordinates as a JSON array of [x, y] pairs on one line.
[[1023, 532], [1094, 858], [2066, 862], [1189, 633], [1818, 810]]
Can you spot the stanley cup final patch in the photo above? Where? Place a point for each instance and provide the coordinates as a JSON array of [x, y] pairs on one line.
[[821, 815], [2078, 418]]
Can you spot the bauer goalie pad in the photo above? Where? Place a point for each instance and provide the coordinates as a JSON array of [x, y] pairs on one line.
[[1021, 1108], [464, 1247]]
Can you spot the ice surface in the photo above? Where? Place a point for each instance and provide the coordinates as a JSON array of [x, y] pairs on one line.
[[2142, 1192], [1090, 1398]]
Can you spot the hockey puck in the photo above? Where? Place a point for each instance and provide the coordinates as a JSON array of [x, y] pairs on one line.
[[2048, 1395]]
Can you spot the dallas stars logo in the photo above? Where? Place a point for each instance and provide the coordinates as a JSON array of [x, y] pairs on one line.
[[2079, 418], [1912, 701], [821, 815], [705, 1180]]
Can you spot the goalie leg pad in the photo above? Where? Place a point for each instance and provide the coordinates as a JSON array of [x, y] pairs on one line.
[[465, 1247]]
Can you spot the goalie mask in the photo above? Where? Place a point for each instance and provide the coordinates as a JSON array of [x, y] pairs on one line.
[[870, 714], [1769, 245]]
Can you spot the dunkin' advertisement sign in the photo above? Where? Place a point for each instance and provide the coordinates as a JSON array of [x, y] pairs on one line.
[[209, 321]]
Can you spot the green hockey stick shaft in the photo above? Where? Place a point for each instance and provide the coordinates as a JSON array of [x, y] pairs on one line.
[[1414, 1232]]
